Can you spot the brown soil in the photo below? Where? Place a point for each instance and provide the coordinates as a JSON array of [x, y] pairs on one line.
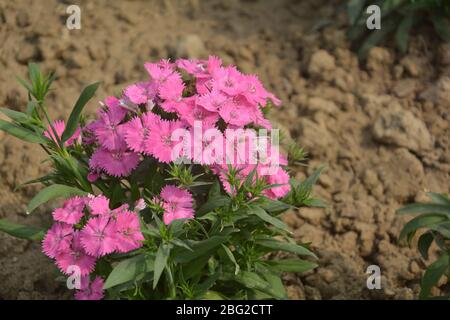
[[381, 126]]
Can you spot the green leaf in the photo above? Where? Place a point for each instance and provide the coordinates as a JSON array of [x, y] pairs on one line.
[[129, 269], [274, 280], [442, 26], [263, 215], [52, 192], [232, 258], [21, 231], [420, 208], [15, 115], [432, 275], [439, 198], [160, 262], [199, 248], [250, 280], [212, 204], [443, 229], [422, 221], [290, 265], [285, 246], [424, 244], [34, 74], [21, 133], [354, 9], [403, 30], [274, 206], [74, 118], [376, 36]]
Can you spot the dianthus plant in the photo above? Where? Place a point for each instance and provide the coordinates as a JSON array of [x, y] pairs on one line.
[[173, 191]]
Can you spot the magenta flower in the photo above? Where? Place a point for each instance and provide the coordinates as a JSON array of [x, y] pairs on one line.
[[255, 93], [212, 101], [60, 126], [57, 239], [117, 163], [75, 256], [235, 113], [229, 80], [129, 236], [98, 237], [162, 71], [160, 143], [138, 130], [90, 290], [71, 211], [177, 204], [193, 112], [107, 130]]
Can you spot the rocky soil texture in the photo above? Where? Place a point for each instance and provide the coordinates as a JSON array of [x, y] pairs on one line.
[[381, 126]]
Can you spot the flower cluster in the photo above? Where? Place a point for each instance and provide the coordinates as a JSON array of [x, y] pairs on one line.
[[86, 229], [181, 95]]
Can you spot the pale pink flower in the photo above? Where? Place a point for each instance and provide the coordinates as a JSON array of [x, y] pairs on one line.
[[90, 290], [161, 71], [57, 239], [71, 211], [75, 256], [98, 236], [99, 205], [129, 236], [142, 92], [177, 204]]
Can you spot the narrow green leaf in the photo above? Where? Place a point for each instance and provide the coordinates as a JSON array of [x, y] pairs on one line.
[[212, 204], [424, 244], [432, 275], [439, 198], [426, 220], [442, 26], [74, 117], [232, 259], [160, 262], [52, 192], [420, 208], [21, 133], [15, 115], [285, 246], [263, 215], [129, 269], [21, 231], [199, 248], [354, 9], [403, 30], [290, 265]]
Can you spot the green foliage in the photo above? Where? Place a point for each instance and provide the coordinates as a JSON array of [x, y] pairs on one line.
[[398, 18], [435, 218]]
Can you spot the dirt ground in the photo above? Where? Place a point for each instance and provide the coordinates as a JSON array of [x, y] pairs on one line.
[[381, 126]]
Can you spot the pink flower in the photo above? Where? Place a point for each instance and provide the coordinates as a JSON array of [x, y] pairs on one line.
[[90, 290], [117, 163], [193, 112], [99, 205], [142, 92], [98, 237], [71, 211], [255, 92], [129, 236], [212, 101], [138, 130], [280, 176], [75, 256], [161, 71], [60, 126], [229, 80], [160, 143], [107, 129], [177, 204], [57, 239], [236, 113]]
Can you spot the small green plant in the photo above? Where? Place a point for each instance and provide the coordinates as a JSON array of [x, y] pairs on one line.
[[435, 218], [398, 18]]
